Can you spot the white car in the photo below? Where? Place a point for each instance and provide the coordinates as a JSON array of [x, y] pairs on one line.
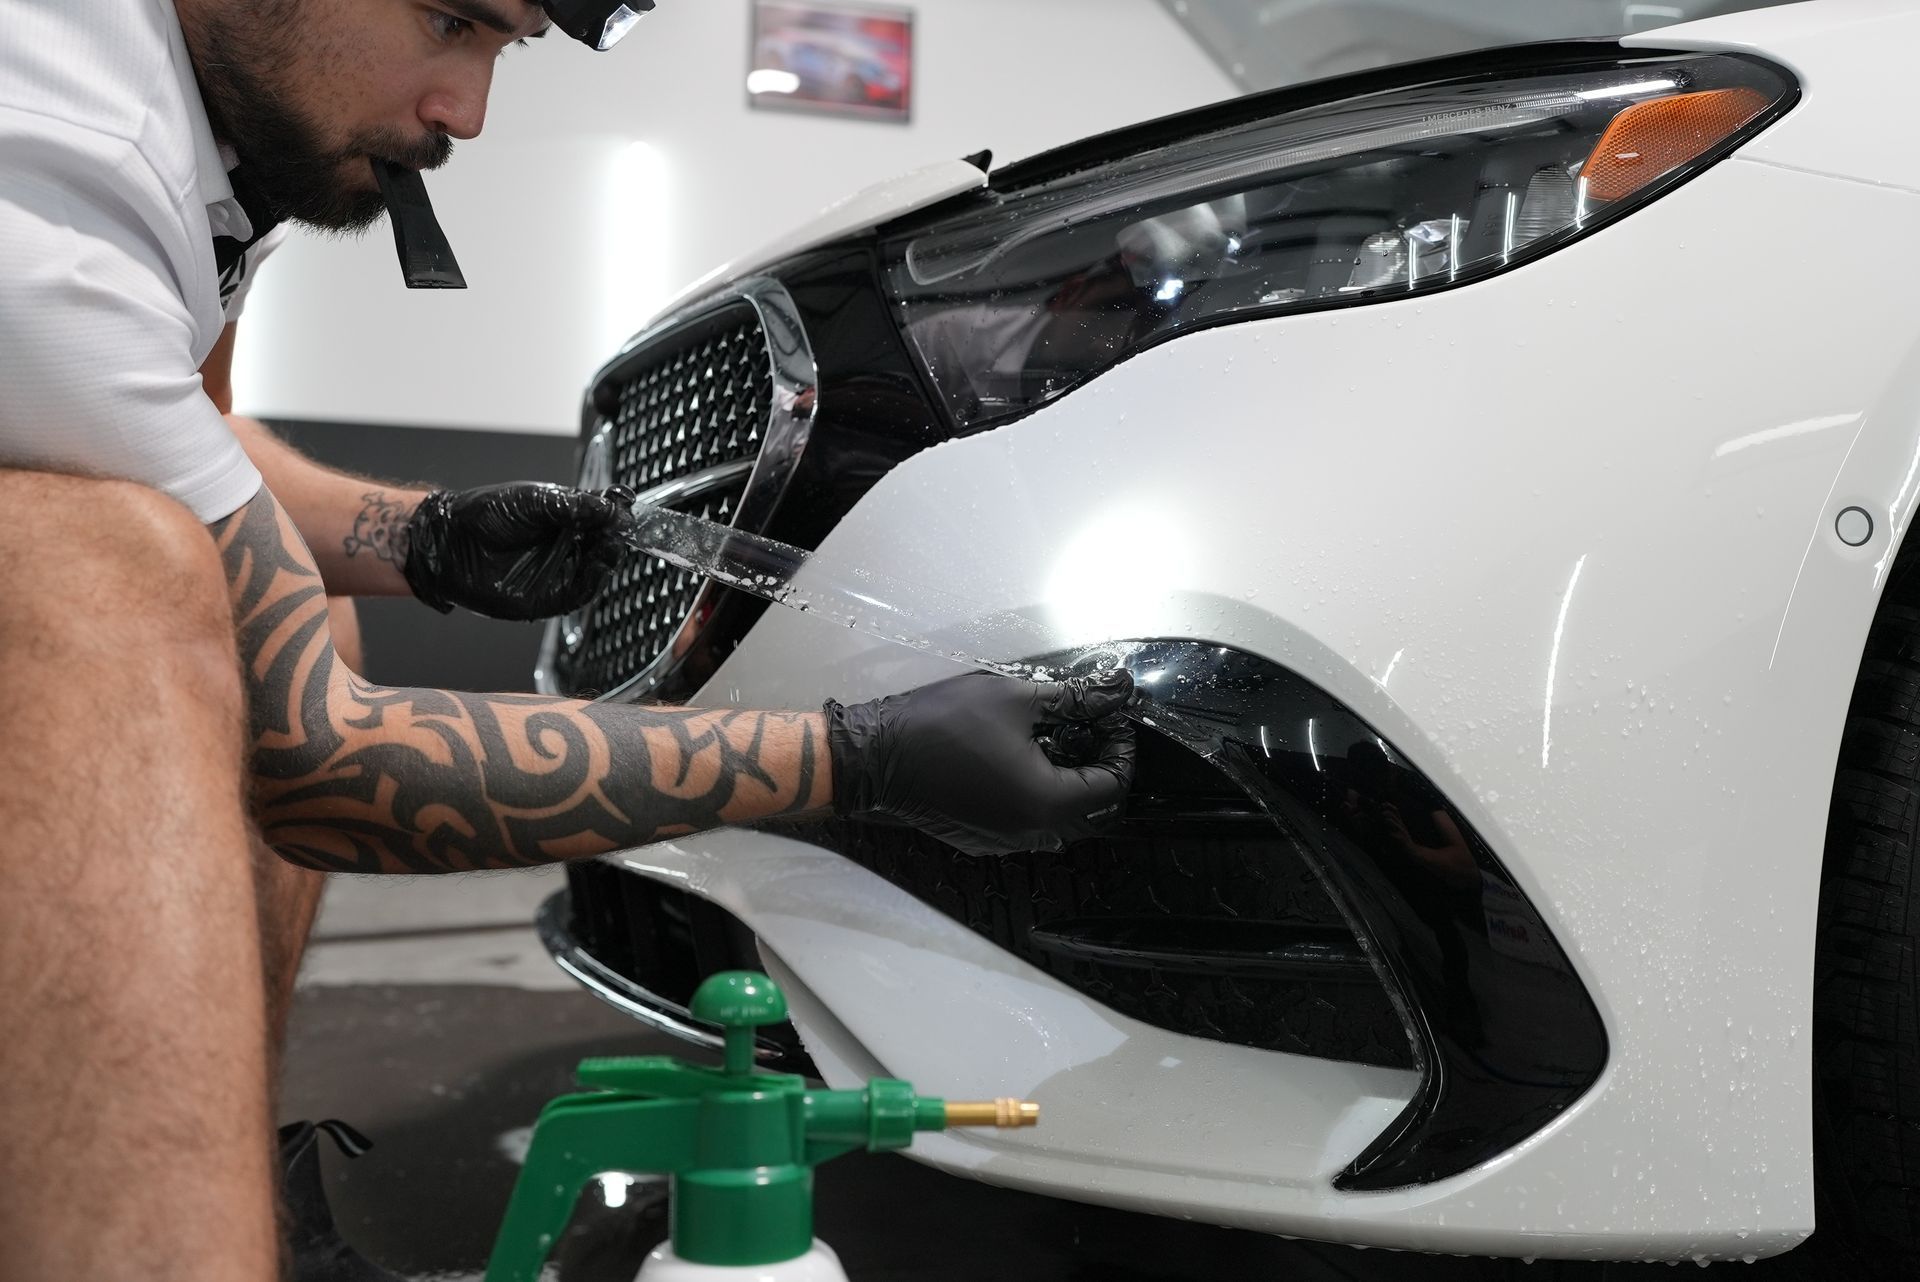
[[1499, 467]]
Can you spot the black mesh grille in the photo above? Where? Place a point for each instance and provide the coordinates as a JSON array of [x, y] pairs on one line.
[[634, 620], [695, 400], [694, 406]]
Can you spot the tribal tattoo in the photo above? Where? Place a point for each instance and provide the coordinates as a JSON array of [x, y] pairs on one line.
[[381, 528], [349, 776]]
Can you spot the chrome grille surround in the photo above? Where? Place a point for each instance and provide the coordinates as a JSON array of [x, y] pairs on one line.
[[706, 411]]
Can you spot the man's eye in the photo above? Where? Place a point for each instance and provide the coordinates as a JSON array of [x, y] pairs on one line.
[[446, 26]]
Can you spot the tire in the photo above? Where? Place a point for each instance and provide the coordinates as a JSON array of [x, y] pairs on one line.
[[1866, 999]]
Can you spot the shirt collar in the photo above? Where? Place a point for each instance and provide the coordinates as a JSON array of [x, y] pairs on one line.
[[211, 160]]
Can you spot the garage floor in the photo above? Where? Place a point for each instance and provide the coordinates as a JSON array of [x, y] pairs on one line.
[[429, 1018]]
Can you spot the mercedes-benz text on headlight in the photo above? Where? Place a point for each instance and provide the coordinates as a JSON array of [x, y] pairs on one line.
[[1372, 197]]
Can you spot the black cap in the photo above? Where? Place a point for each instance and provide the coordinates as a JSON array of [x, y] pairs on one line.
[[598, 24]]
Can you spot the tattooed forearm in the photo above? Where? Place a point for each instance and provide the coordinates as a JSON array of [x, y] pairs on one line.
[[356, 777], [381, 528]]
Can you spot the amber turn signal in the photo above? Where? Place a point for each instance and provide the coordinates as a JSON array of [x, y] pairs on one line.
[[1651, 139]]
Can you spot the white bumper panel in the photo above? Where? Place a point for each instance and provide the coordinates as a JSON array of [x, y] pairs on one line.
[[959, 1017], [1567, 538]]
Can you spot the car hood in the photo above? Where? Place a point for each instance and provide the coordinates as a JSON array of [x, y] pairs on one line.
[[862, 211]]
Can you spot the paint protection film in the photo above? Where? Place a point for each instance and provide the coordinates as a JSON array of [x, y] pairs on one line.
[[1369, 198]]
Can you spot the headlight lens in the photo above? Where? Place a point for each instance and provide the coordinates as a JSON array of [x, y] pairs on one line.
[[1364, 199]]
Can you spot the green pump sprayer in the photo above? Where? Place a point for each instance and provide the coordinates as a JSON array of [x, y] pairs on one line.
[[738, 1145]]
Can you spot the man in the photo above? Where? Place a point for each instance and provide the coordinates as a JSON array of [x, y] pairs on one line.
[[169, 690]]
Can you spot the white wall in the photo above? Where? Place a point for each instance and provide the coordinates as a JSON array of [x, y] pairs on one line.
[[605, 182]]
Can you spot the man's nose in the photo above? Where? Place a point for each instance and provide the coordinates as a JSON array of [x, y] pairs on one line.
[[457, 104]]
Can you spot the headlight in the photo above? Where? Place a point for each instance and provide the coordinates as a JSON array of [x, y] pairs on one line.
[[1378, 196]]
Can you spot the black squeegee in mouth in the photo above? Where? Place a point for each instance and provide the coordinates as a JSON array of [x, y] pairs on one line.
[[426, 260]]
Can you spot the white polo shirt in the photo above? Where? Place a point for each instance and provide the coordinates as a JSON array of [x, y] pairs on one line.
[[111, 191]]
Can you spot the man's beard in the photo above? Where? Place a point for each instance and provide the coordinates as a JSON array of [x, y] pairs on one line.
[[283, 159]]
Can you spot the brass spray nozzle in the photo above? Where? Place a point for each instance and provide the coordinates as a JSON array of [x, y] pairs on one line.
[[1006, 1113]]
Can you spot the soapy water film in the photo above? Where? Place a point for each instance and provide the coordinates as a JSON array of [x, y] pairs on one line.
[[895, 610], [876, 605]]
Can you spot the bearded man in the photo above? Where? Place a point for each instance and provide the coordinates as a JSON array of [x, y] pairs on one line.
[[173, 705]]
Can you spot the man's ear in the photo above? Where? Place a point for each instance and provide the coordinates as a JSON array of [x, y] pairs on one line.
[[216, 372]]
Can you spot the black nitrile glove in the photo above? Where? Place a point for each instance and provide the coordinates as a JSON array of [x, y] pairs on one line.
[[526, 550], [959, 760]]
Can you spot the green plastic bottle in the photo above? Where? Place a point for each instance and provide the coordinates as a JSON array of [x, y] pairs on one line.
[[739, 1148]]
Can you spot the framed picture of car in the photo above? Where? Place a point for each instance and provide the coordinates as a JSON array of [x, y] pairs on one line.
[[841, 59]]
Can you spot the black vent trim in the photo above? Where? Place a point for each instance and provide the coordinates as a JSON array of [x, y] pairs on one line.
[[1232, 899], [1193, 914], [663, 941]]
